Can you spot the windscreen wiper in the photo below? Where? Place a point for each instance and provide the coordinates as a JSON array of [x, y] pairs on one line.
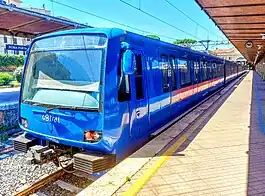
[[58, 107], [70, 108], [33, 103]]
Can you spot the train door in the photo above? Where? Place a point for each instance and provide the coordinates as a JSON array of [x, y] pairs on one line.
[[166, 88], [139, 96], [209, 74], [173, 84], [196, 78]]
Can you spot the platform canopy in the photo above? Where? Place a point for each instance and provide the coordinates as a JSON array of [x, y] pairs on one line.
[[242, 21], [26, 23]]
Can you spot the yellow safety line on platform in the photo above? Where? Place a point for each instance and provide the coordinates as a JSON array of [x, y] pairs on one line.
[[141, 181]]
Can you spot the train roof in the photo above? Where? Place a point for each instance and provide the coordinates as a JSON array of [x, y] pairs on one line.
[[116, 32], [109, 32]]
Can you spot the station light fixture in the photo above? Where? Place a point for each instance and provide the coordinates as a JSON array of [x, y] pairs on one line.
[[249, 44]]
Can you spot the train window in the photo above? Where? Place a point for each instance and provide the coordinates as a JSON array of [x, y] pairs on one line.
[[209, 70], [218, 70], [222, 70], [214, 70], [174, 72], [196, 71], [139, 77], [165, 73], [228, 70], [185, 73], [204, 71], [124, 89]]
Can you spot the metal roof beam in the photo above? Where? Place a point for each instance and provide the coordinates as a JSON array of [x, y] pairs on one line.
[[245, 33], [232, 16], [18, 34], [244, 39], [232, 6], [56, 29], [243, 28], [238, 23], [25, 24]]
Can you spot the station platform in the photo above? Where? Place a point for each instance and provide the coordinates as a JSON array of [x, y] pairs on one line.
[[222, 154], [226, 157]]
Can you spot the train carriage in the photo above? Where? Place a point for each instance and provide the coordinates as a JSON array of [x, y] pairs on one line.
[[105, 91]]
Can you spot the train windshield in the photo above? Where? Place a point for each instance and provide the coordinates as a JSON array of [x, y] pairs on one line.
[[65, 71]]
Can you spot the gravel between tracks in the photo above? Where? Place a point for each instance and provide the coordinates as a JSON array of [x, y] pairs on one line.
[[80, 182], [53, 189], [14, 173]]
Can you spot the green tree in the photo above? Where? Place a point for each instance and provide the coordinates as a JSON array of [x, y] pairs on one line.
[[154, 37], [11, 61], [185, 42]]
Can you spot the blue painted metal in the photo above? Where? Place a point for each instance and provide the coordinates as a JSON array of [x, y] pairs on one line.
[[125, 125]]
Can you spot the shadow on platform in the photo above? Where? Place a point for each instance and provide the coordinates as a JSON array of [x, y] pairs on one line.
[[201, 126], [256, 153]]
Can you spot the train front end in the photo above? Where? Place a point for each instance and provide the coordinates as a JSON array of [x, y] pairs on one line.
[[61, 102]]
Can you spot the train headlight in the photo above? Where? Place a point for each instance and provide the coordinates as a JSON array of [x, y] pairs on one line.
[[92, 136], [24, 122]]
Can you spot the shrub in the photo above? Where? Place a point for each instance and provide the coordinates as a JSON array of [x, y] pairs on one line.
[[5, 79], [18, 74]]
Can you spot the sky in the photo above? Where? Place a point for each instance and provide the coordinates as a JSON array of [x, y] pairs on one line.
[[122, 13]]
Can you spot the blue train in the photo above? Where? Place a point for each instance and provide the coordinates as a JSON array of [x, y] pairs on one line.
[[100, 93]]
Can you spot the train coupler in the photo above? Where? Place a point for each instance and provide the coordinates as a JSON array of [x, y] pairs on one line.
[[39, 154]]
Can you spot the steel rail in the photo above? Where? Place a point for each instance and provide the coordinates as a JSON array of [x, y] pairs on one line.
[[42, 182]]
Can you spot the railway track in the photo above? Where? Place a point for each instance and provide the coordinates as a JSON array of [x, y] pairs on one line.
[[59, 182], [6, 150]]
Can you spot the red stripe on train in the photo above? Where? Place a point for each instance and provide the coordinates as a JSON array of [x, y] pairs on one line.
[[186, 92]]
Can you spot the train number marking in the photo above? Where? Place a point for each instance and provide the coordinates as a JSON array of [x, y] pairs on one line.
[[50, 118]]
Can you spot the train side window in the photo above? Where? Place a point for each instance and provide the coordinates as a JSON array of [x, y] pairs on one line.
[[165, 73], [196, 71], [209, 70], [139, 77], [214, 70], [174, 72], [185, 72], [204, 71], [124, 89], [222, 69], [218, 70]]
